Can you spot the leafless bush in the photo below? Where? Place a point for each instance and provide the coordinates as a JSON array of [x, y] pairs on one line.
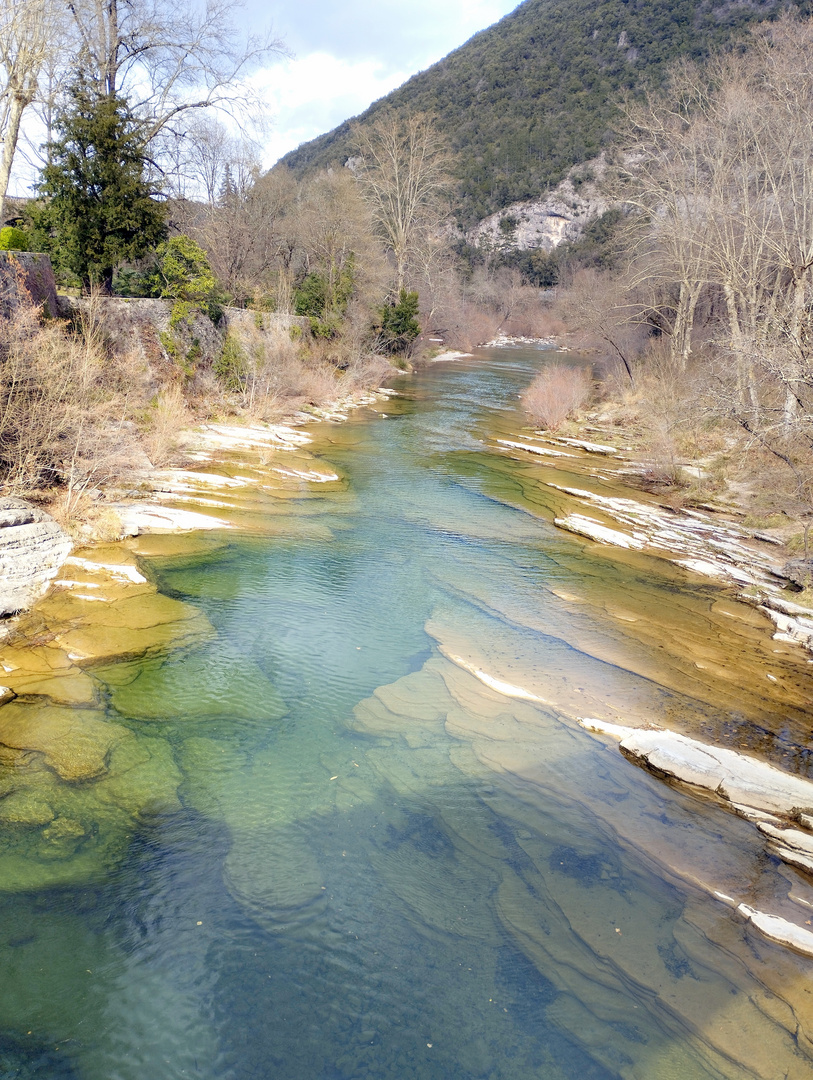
[[555, 394], [367, 372], [464, 325], [63, 408], [534, 320], [167, 417]]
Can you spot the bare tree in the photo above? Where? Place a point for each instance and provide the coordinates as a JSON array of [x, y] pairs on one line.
[[402, 168], [28, 39], [720, 171], [336, 233], [600, 309], [168, 57], [250, 229]]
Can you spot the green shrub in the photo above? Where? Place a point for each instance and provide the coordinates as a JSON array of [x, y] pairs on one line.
[[183, 273], [323, 299], [230, 367], [13, 239], [399, 323]]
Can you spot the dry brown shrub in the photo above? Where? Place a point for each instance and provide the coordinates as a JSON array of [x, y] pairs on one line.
[[466, 326], [318, 384], [84, 519], [366, 372], [63, 408], [168, 416], [536, 320], [555, 394]]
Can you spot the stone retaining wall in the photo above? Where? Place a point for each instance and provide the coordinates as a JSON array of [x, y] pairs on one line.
[[27, 275]]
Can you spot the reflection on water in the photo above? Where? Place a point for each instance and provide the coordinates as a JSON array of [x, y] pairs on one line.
[[316, 845]]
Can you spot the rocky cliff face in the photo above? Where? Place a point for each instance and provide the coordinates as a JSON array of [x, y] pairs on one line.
[[32, 549], [546, 222]]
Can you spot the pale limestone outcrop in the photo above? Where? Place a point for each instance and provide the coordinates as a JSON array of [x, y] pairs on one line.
[[779, 804], [32, 549], [547, 222]]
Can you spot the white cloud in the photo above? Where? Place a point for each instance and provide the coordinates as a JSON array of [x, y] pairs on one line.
[[349, 56], [312, 94], [352, 54]]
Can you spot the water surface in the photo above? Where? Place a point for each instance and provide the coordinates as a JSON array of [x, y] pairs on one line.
[[334, 853]]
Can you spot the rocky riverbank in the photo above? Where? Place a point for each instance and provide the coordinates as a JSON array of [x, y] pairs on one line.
[[707, 542], [230, 473], [605, 508]]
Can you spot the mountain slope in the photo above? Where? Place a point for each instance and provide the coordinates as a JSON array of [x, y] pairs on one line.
[[523, 101]]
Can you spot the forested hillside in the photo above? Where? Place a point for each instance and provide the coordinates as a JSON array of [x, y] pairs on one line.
[[523, 101]]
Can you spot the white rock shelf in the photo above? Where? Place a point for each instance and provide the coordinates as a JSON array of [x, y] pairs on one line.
[[726, 553], [779, 805], [588, 447], [137, 518], [533, 448], [602, 534]]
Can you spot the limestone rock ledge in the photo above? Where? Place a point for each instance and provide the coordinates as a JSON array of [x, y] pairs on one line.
[[779, 804], [32, 549]]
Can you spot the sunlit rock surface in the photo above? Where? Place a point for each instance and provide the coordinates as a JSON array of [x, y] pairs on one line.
[[78, 780], [32, 549]]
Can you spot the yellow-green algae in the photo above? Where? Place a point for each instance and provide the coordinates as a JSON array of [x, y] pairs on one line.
[[73, 775], [493, 820], [71, 770]]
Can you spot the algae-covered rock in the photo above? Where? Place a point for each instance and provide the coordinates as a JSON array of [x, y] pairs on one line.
[[25, 808], [70, 801], [158, 623], [75, 743], [212, 774], [200, 684]]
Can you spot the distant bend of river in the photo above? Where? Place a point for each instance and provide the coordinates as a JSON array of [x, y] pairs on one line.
[[374, 864]]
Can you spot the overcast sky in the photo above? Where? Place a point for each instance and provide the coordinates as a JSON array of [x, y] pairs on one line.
[[349, 54]]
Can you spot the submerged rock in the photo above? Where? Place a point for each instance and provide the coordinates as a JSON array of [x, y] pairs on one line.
[[75, 743], [32, 549], [274, 874]]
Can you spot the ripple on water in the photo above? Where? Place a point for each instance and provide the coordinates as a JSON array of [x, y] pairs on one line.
[[321, 849]]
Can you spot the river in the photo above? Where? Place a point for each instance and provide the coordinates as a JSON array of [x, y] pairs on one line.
[[353, 830]]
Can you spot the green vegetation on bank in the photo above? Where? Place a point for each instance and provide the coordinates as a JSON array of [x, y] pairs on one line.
[[98, 209], [522, 102]]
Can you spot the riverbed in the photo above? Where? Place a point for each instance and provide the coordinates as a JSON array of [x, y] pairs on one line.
[[340, 819]]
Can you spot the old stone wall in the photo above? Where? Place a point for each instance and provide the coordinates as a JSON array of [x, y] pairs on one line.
[[25, 276]]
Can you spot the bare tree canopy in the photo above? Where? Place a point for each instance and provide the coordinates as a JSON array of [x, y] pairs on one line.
[[29, 32], [719, 170], [167, 56], [402, 168]]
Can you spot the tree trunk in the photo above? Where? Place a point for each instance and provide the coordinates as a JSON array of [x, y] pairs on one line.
[[16, 108], [681, 343], [746, 385]]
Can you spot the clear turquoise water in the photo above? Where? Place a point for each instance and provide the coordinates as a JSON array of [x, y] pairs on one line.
[[429, 881]]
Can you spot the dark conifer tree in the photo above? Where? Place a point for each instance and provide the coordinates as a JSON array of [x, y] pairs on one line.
[[100, 209]]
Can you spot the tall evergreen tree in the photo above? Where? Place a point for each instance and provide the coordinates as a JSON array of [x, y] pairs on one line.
[[100, 209]]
